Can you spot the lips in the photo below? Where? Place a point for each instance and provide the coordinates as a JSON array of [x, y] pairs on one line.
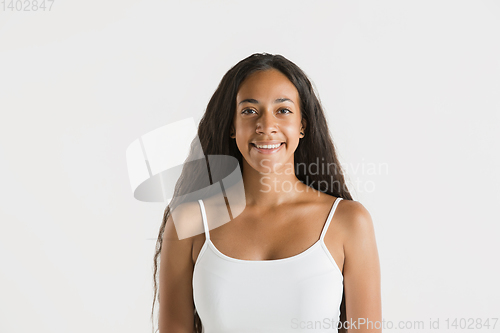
[[263, 144], [267, 150]]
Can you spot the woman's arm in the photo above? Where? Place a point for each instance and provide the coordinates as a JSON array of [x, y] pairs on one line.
[[361, 272], [176, 308]]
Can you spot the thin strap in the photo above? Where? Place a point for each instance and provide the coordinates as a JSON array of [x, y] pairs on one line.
[[329, 218], [204, 218]]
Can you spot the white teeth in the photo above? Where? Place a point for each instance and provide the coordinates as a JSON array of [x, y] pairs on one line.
[[268, 146]]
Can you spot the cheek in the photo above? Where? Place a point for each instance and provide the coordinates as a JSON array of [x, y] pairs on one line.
[[242, 141], [292, 130]]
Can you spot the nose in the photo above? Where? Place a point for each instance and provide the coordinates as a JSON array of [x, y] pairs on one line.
[[266, 124]]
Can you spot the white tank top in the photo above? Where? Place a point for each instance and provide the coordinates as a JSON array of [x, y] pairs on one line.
[[295, 294]]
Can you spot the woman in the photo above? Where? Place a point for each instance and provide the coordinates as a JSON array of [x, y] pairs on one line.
[[302, 254]]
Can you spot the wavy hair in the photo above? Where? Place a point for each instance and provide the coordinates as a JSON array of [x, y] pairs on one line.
[[214, 136]]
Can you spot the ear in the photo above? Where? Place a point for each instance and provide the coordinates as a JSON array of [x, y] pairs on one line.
[[232, 133], [303, 127]]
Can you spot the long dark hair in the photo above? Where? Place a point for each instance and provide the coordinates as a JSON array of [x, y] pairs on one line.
[[214, 136]]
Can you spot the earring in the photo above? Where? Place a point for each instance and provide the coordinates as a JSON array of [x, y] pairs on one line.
[[302, 133]]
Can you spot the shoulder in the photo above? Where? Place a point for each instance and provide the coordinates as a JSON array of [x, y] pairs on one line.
[[354, 214], [357, 232], [184, 222], [355, 222], [187, 218]]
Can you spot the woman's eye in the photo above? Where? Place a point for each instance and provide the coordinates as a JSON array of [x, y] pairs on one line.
[[249, 111]]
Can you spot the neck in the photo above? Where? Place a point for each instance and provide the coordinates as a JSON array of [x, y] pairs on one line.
[[270, 187]]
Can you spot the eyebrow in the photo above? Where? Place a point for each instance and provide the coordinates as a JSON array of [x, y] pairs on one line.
[[254, 101]]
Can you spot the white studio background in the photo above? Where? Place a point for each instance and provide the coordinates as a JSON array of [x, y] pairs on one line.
[[411, 92]]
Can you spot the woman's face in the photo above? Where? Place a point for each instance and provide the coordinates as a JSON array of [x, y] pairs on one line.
[[267, 113]]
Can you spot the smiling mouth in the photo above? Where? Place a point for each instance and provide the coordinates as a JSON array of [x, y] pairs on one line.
[[253, 144]]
